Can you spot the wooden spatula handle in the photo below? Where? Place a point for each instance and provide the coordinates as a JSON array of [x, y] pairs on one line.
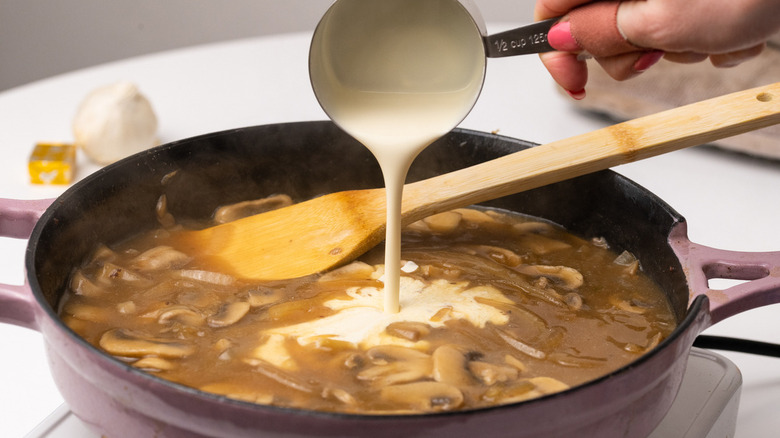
[[626, 142]]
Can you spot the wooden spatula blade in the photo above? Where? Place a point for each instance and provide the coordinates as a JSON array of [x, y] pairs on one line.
[[295, 241]]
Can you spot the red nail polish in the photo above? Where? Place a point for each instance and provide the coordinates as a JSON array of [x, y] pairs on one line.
[[560, 38], [648, 60], [577, 95]]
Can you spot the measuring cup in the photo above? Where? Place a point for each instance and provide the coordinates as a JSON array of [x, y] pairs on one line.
[[397, 75], [434, 47]]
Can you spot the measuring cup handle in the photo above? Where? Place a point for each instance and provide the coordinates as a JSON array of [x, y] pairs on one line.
[[524, 40], [761, 270], [593, 26], [17, 220]]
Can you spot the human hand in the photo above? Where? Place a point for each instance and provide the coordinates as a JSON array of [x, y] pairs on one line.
[[626, 38]]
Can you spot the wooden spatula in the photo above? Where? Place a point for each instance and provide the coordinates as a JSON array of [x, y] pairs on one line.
[[331, 230]]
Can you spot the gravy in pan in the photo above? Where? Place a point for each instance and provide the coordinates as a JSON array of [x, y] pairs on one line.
[[495, 308]]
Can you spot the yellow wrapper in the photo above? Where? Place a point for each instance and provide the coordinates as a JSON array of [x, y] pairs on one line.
[[52, 163]]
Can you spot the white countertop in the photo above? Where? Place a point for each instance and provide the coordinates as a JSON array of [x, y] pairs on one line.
[[730, 201]]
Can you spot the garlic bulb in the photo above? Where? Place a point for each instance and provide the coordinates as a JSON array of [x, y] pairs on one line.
[[114, 121]]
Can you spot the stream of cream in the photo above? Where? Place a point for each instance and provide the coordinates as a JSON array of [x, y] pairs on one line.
[[397, 76]]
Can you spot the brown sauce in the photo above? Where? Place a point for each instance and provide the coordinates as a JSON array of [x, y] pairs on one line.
[[508, 308]]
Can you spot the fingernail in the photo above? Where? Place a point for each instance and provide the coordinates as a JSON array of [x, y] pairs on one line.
[[648, 60], [577, 95], [560, 38]]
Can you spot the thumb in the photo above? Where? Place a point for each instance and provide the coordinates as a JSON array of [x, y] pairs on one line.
[[707, 26], [594, 28]]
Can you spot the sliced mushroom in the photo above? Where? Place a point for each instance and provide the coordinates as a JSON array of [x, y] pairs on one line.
[[351, 271], [230, 314], [352, 360], [164, 217], [515, 391], [516, 363], [409, 330], [154, 364], [104, 254], [168, 177], [490, 374], [524, 389], [263, 296], [632, 306], [127, 343], [111, 272], [445, 272], [339, 394], [636, 348], [573, 300], [569, 278], [222, 346], [160, 257], [548, 385], [442, 314], [211, 277], [230, 213], [388, 353], [418, 226], [395, 364], [395, 372], [449, 366], [446, 222], [474, 216], [81, 285], [424, 396], [86, 312], [182, 314]]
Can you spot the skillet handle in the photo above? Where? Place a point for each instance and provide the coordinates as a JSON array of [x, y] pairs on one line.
[[702, 263], [17, 220]]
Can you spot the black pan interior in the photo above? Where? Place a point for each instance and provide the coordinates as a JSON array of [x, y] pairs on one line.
[[307, 159]]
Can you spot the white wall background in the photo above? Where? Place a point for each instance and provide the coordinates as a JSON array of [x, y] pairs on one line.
[[42, 38]]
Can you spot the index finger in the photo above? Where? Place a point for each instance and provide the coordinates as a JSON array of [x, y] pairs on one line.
[[545, 9]]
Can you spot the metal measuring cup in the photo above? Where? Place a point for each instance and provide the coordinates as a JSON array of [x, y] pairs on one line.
[[422, 45]]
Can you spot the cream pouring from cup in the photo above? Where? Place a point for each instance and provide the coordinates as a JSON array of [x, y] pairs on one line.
[[399, 74]]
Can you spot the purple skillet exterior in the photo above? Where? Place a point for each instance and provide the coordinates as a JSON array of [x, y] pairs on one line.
[[119, 401]]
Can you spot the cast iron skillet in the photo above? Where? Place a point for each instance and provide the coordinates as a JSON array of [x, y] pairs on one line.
[[310, 158]]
